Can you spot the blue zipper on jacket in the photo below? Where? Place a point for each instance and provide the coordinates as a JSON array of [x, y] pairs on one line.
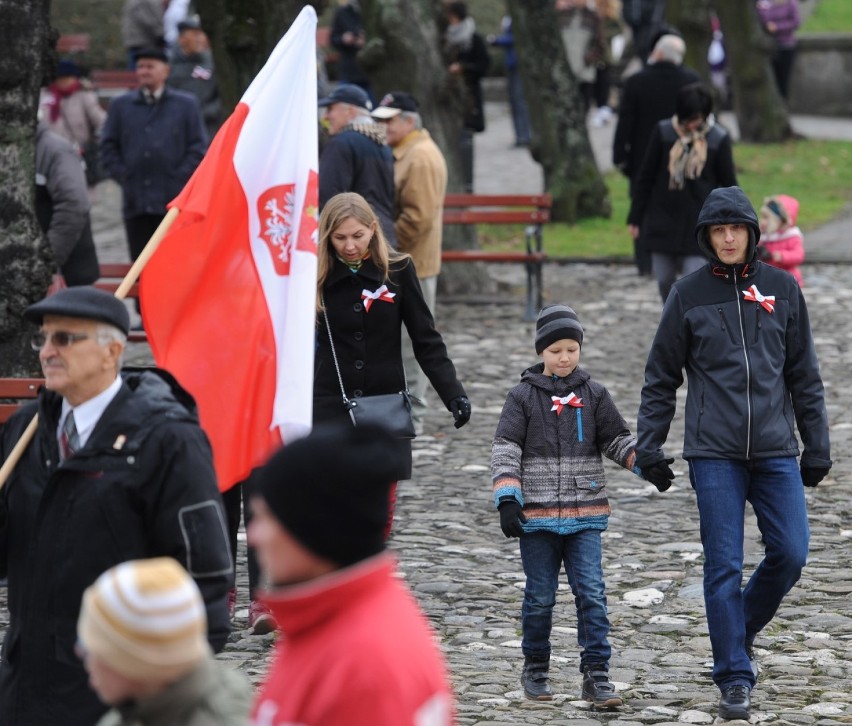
[[579, 424]]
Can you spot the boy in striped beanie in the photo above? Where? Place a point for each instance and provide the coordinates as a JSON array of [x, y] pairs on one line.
[[549, 487], [142, 636]]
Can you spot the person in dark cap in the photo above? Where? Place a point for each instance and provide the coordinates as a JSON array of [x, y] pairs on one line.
[[192, 70], [356, 157], [118, 469], [549, 486], [152, 140], [740, 328], [142, 26], [355, 647], [420, 179]]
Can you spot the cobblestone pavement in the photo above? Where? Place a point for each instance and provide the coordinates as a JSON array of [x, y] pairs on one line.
[[468, 577]]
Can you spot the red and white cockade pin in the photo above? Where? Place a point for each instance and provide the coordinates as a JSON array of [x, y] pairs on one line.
[[754, 295], [569, 400], [381, 294]]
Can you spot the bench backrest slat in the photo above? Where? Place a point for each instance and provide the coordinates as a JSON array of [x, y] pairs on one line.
[[22, 388], [541, 201], [495, 216]]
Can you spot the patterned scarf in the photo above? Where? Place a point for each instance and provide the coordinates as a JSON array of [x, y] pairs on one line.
[[689, 153], [54, 102]]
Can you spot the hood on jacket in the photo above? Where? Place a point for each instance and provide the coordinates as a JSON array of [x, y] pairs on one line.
[[726, 205]]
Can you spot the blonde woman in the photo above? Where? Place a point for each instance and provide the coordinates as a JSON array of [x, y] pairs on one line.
[[367, 291]]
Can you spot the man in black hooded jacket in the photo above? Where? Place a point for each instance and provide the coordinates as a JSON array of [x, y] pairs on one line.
[[741, 330]]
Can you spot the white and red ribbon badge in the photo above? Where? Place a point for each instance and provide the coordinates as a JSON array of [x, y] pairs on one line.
[[382, 294], [569, 400], [754, 295]]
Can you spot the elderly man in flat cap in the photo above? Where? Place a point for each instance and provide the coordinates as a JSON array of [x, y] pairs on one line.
[[118, 469], [152, 140]]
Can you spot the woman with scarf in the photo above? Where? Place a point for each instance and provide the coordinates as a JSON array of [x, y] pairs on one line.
[[467, 57], [71, 109], [688, 156]]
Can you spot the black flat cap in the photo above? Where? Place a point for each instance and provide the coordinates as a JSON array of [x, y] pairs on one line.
[[154, 53], [347, 93], [191, 23], [84, 302]]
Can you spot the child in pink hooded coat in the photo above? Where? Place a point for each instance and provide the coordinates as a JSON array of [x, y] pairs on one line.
[[780, 239]]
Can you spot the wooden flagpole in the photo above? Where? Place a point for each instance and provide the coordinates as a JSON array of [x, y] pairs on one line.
[[121, 293]]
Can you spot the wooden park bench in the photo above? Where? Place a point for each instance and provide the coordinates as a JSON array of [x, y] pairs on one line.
[[14, 392], [531, 210], [112, 83], [73, 43]]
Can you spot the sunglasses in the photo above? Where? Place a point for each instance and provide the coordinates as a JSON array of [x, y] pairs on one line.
[[59, 338]]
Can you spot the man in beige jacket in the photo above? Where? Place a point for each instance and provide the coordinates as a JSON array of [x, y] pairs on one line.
[[420, 181]]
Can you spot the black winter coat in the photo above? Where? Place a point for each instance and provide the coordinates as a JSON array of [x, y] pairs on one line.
[[142, 486], [368, 344], [358, 160], [648, 97], [666, 217]]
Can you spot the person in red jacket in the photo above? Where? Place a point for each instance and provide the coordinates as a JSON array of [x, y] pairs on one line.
[[355, 648], [781, 243]]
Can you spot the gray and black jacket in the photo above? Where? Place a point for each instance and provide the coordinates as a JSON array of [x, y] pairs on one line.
[[743, 335], [549, 460]]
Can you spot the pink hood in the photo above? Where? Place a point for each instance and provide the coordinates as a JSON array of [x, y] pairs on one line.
[[791, 204]]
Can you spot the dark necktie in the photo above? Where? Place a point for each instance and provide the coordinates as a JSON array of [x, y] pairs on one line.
[[69, 439]]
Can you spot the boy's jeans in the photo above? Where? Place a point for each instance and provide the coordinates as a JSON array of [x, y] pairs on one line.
[[736, 614], [543, 554]]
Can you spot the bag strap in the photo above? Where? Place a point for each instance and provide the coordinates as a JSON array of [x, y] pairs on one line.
[[333, 352], [334, 355]]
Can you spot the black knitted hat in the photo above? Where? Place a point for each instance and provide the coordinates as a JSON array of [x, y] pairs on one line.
[[556, 322], [330, 490]]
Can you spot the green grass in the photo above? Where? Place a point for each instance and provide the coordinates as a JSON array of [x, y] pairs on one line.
[[829, 16], [817, 173]]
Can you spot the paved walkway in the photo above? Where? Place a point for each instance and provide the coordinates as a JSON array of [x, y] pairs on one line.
[[469, 579]]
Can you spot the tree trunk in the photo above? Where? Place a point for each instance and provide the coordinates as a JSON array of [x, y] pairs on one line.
[[560, 137], [242, 35], [761, 113], [25, 256], [404, 54]]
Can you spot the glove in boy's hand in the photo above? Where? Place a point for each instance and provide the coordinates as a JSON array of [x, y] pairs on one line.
[[659, 474], [511, 518]]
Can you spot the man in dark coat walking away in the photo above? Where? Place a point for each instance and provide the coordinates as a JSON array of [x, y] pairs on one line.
[[357, 157], [647, 98], [740, 328], [118, 469]]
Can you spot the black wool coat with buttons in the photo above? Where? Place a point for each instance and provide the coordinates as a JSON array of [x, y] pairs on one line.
[[368, 343]]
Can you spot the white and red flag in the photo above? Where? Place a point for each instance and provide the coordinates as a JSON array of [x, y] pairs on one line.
[[228, 298]]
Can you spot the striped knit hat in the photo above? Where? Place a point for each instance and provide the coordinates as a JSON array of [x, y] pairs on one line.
[[556, 322], [146, 620]]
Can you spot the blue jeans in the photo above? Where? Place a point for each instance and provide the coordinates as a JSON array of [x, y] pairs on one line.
[[736, 614], [543, 554]]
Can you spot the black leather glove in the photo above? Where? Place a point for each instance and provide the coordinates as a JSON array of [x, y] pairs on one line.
[[511, 518], [763, 254], [659, 474], [813, 475], [460, 408]]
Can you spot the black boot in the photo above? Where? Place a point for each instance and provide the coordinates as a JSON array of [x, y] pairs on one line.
[[598, 689], [534, 678]]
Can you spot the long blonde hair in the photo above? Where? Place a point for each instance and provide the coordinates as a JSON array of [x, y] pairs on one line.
[[335, 212]]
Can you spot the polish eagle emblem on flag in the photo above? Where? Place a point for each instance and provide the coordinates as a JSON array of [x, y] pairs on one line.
[[276, 210]]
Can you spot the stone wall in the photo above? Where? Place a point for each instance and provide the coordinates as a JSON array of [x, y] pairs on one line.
[[822, 75]]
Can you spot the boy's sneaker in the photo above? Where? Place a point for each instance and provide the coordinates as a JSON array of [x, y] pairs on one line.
[[735, 703], [260, 620], [598, 689], [534, 679]]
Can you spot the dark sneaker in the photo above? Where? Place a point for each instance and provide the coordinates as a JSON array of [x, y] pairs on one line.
[[261, 621], [735, 703], [534, 679], [751, 659], [598, 689]]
